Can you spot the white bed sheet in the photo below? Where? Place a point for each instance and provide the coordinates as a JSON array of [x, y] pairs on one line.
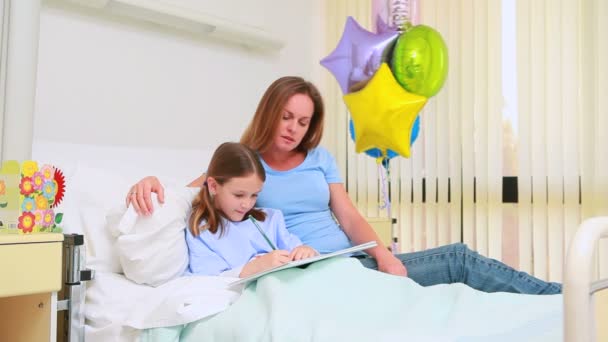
[[117, 308]]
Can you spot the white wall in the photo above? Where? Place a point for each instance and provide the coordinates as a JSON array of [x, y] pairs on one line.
[[109, 80]]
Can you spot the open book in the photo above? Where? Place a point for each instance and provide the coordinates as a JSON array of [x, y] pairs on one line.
[[306, 262]]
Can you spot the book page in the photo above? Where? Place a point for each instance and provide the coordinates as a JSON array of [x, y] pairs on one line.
[[297, 263]]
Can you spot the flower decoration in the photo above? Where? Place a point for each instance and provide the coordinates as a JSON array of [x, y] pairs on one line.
[[48, 172], [38, 215], [33, 192], [60, 183], [37, 180], [26, 222], [49, 189], [26, 186], [28, 204], [41, 202], [28, 168], [48, 218]]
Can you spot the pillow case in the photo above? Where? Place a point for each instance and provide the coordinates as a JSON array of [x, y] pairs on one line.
[[90, 195], [152, 249]]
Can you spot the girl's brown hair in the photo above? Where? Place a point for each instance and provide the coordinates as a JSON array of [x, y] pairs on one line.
[[261, 129], [229, 160]]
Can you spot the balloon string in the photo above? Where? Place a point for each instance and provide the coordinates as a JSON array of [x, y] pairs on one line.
[[386, 202], [400, 14]]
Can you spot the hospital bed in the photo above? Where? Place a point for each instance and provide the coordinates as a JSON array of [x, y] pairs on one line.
[[98, 315]]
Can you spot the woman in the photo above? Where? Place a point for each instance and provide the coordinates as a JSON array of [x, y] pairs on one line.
[[289, 151]]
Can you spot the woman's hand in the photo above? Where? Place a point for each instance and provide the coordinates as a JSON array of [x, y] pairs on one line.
[[140, 195], [302, 252], [388, 263], [264, 262]]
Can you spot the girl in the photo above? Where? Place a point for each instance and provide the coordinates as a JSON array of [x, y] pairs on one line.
[[226, 235]]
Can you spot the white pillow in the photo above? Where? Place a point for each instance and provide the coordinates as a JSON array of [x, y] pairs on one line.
[[152, 249], [90, 192], [99, 243], [99, 176]]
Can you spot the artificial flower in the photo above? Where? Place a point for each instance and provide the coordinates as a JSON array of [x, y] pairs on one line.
[[26, 222], [26, 186], [38, 215], [41, 202], [48, 172], [60, 182], [28, 168], [37, 180], [28, 204], [48, 218], [49, 189]]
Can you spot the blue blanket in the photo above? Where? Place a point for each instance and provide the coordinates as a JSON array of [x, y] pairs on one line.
[[340, 300]]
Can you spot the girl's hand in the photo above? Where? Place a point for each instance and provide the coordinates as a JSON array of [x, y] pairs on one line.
[[265, 262], [302, 252], [140, 195], [388, 263]]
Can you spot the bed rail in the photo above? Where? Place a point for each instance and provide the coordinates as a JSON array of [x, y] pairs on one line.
[[72, 296], [579, 323]]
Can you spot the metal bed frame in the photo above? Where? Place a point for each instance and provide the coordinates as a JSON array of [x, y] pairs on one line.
[[71, 298], [579, 315]]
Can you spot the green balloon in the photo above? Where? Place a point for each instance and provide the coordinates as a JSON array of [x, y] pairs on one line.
[[420, 61]]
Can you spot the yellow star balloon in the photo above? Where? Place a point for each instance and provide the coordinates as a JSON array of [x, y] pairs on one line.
[[383, 114]]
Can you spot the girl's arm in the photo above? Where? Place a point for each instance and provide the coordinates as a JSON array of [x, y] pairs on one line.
[[275, 223], [264, 262], [204, 261], [286, 240], [359, 231]]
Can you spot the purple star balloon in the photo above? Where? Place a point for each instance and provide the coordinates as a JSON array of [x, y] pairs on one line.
[[358, 55]]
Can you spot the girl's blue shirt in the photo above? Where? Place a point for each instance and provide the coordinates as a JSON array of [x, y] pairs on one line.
[[210, 254]]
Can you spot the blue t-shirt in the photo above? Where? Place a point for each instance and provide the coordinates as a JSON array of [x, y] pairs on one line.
[[302, 194], [212, 254]]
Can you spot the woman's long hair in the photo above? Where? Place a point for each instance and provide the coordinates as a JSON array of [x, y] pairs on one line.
[[261, 130], [229, 160]]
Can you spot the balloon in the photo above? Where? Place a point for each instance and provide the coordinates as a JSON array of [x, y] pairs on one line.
[[375, 152], [358, 55], [420, 61], [382, 113], [383, 27]]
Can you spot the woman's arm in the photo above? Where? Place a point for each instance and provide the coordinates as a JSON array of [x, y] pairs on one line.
[[140, 194], [359, 231], [198, 183]]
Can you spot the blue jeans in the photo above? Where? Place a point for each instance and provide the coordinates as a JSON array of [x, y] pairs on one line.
[[456, 263]]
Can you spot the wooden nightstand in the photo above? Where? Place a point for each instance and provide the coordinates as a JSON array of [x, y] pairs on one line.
[[30, 276]]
